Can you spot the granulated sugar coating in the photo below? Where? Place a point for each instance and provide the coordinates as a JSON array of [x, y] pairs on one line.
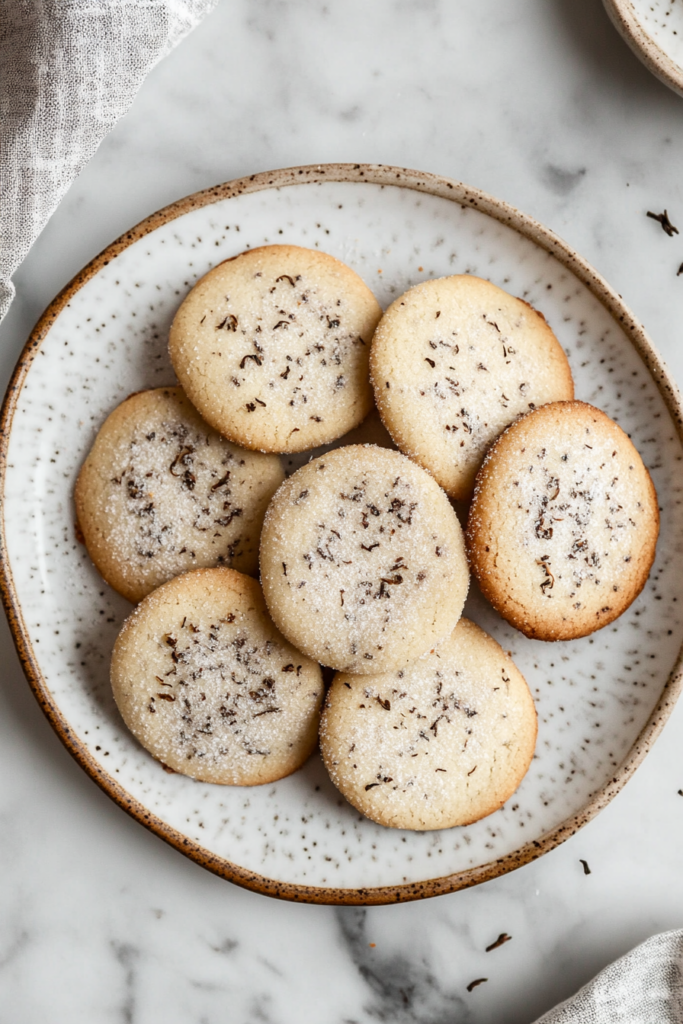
[[362, 560], [456, 360], [273, 345], [443, 742], [563, 526], [161, 493], [210, 688]]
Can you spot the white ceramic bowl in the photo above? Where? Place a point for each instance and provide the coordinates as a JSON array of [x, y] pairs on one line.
[[654, 31]]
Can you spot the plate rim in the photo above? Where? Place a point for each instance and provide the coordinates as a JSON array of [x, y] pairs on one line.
[[623, 16], [376, 174]]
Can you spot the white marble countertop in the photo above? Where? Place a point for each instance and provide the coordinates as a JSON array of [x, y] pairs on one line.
[[543, 105]]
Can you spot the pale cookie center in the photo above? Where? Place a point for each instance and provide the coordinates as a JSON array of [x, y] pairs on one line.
[[288, 348], [174, 481], [580, 518], [367, 556], [221, 693]]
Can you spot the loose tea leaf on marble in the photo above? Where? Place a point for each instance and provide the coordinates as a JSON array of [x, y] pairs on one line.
[[477, 981], [663, 219]]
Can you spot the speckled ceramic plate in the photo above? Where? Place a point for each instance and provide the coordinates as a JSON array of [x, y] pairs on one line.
[[654, 31], [601, 700]]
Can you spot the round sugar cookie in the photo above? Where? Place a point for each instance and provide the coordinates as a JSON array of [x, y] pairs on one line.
[[562, 530], [161, 493], [442, 742], [205, 682], [363, 563], [272, 346], [455, 361]]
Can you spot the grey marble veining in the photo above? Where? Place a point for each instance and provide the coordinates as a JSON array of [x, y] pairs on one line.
[[540, 103]]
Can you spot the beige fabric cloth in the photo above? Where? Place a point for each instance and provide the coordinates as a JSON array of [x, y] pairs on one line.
[[69, 69], [643, 987]]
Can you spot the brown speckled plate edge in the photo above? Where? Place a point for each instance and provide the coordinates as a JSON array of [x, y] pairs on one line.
[[377, 174], [623, 16]]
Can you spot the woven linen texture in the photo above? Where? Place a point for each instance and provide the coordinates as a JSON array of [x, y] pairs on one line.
[[69, 69], [643, 987]]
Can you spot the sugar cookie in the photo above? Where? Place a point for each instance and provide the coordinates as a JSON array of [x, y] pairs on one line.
[[208, 686], [444, 741], [563, 526], [362, 560], [272, 347], [161, 493], [454, 361]]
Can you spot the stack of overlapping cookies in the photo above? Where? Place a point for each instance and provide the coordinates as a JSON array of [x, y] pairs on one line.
[[363, 564]]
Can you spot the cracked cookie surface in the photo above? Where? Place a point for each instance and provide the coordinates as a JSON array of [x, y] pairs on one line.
[[208, 685], [362, 560], [161, 493], [273, 345], [562, 530], [443, 742], [454, 361]]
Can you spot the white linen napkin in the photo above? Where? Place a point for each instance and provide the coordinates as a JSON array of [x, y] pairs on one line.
[[69, 70], [643, 987]]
